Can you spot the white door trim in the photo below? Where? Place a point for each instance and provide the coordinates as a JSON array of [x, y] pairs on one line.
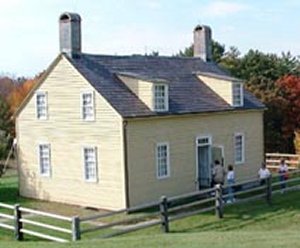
[[209, 143]]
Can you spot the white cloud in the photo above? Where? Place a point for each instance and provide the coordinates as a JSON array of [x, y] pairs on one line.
[[223, 8]]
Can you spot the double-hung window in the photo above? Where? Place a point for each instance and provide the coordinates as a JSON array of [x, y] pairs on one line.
[[45, 159], [237, 95], [41, 105], [90, 164], [88, 106], [161, 97], [239, 148], [162, 160]]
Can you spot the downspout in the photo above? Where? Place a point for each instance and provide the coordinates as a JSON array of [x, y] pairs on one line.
[[126, 173]]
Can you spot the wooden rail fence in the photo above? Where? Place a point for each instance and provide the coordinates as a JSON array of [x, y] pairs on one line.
[[170, 209], [161, 212], [18, 221], [273, 160]]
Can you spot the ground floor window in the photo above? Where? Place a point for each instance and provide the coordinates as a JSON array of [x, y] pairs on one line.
[[162, 160], [90, 164], [44, 159], [239, 148]]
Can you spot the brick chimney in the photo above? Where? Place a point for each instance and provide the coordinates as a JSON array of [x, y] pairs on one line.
[[70, 34], [202, 43]]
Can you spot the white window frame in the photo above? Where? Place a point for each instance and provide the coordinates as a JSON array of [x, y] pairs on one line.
[[37, 108], [91, 118], [48, 173], [95, 178], [167, 145], [166, 98], [240, 94], [242, 135]]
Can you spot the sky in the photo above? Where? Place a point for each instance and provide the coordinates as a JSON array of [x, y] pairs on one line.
[[29, 28]]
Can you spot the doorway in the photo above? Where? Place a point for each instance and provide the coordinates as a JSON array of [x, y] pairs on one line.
[[203, 152]]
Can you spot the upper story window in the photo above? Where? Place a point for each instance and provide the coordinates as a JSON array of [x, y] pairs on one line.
[[237, 95], [161, 102], [90, 164], [239, 148], [88, 106], [162, 160], [41, 105], [44, 159]]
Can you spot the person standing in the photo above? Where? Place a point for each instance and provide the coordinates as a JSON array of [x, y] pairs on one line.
[[230, 182], [219, 173], [283, 174], [263, 174]]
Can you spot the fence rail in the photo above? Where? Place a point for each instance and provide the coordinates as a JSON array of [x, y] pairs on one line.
[[162, 212], [214, 199], [273, 160], [19, 218]]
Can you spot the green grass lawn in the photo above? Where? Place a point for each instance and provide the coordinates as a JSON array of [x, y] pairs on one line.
[[255, 224]]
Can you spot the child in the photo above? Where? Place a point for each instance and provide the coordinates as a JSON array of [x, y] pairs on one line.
[[283, 174], [230, 182]]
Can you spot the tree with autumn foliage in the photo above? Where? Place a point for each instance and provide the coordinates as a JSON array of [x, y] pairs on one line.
[[19, 93], [12, 94], [289, 87]]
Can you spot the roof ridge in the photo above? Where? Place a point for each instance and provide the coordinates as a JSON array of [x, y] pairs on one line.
[[145, 56]]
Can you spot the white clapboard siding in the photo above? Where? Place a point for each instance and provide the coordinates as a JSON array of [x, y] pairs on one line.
[[67, 134], [181, 133]]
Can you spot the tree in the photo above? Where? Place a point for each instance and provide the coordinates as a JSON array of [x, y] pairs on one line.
[[6, 86], [19, 93], [231, 60], [290, 94], [260, 72], [6, 128]]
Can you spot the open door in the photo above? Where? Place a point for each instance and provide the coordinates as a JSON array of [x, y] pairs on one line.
[[203, 153], [218, 154]]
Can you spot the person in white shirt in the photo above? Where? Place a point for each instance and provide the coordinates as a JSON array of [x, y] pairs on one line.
[[283, 174], [263, 174], [230, 182]]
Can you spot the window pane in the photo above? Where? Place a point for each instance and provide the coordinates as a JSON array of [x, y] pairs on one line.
[[160, 99], [237, 94], [41, 105], [44, 158], [162, 160], [239, 148], [90, 164], [87, 106]]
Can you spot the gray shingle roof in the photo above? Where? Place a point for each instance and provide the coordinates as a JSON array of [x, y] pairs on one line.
[[187, 94]]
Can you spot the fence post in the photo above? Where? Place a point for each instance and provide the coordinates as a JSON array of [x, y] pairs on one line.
[[269, 189], [18, 223], [164, 214], [219, 200], [75, 228]]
